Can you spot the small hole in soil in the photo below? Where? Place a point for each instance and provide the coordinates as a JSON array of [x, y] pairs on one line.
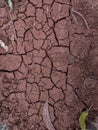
[[84, 109]]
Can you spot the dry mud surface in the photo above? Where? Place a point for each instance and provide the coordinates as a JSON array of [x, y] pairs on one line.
[[49, 51]]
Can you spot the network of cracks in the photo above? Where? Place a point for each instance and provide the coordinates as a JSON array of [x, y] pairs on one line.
[[48, 63]]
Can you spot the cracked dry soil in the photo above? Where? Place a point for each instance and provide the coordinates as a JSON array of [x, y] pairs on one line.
[[52, 53]]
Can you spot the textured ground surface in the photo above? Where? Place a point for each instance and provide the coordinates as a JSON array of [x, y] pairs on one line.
[[52, 53]]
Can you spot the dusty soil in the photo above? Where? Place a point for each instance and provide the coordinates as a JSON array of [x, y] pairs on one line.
[[52, 53]]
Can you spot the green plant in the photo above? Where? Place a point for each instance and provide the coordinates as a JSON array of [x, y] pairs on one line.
[[83, 117], [82, 120]]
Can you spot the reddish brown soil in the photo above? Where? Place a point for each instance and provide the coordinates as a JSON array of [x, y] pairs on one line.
[[49, 56]]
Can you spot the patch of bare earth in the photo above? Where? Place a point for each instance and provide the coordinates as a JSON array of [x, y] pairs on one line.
[[52, 54]]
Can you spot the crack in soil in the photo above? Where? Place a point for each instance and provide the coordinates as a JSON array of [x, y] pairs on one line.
[[49, 56]]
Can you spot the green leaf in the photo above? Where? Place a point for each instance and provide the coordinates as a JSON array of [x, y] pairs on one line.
[[82, 120]]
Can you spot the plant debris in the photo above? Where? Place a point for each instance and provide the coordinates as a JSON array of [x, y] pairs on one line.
[[3, 127], [78, 13], [2, 44], [10, 4], [46, 117]]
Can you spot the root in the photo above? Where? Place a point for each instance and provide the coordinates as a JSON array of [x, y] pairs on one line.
[[78, 13]]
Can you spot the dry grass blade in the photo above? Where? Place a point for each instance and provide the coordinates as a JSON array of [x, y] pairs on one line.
[[46, 117]]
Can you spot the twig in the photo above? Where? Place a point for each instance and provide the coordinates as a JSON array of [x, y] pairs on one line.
[[46, 117]]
